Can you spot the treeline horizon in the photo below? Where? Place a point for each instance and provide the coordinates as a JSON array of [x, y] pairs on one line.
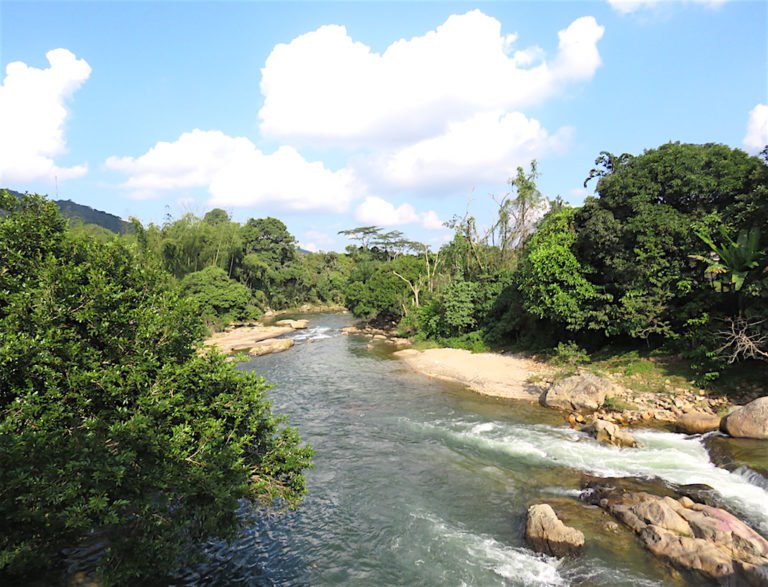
[[669, 253]]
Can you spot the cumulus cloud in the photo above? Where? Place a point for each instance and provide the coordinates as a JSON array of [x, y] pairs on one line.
[[192, 160], [434, 114], [757, 128], [236, 173], [33, 114], [379, 212], [486, 147], [629, 6], [326, 88]]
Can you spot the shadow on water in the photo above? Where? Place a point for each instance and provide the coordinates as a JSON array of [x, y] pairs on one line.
[[419, 482]]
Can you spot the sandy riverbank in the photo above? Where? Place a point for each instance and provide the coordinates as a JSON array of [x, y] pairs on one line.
[[521, 378], [492, 374]]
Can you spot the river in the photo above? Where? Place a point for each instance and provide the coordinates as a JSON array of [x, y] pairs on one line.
[[418, 482]]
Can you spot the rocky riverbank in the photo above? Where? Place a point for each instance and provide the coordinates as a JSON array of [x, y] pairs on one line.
[[690, 534], [256, 338], [583, 397]]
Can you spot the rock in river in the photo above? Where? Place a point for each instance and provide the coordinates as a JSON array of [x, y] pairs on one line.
[[697, 423], [750, 421], [581, 392], [690, 535], [545, 533], [295, 324], [610, 433], [267, 347]]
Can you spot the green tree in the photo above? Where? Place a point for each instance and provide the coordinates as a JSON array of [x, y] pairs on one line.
[[114, 433], [637, 236], [553, 285], [269, 239], [217, 298]]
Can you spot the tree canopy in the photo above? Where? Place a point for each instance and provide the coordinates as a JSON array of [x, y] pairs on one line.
[[114, 432]]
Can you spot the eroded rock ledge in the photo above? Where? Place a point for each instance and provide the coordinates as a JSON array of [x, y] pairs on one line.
[[690, 535]]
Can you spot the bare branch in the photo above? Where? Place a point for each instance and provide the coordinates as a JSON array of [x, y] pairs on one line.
[[743, 340]]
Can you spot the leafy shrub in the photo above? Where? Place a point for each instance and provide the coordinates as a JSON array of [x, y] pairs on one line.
[[451, 312], [570, 354], [472, 341], [219, 299]]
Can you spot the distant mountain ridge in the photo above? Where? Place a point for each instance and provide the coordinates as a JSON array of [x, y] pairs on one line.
[[86, 214]]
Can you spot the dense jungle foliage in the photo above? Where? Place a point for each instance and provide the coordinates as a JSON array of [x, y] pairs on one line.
[[115, 434], [670, 253], [114, 431]]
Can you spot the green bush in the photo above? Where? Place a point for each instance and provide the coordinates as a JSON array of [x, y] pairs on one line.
[[570, 354], [113, 432], [219, 299], [472, 341]]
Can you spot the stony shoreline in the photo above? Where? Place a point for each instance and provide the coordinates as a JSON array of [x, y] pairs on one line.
[[688, 534], [518, 377], [255, 338]]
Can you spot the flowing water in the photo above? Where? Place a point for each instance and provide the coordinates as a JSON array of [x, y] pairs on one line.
[[418, 482]]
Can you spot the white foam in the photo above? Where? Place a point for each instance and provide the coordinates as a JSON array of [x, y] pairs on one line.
[[484, 427], [312, 334], [672, 457], [515, 564]]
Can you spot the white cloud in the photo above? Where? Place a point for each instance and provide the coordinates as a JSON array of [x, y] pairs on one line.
[[284, 179], [487, 147], [379, 212], [236, 173], [33, 116], [431, 221], [311, 247], [318, 237], [191, 161], [325, 88], [629, 6], [757, 128]]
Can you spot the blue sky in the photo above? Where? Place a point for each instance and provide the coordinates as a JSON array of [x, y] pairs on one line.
[[336, 115]]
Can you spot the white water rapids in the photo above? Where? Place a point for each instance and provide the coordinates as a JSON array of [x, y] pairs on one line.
[[675, 458]]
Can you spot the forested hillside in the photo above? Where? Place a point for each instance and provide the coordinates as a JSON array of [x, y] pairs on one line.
[[85, 215]]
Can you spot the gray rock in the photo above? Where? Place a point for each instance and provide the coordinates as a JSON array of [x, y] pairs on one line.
[[691, 535], [581, 392]]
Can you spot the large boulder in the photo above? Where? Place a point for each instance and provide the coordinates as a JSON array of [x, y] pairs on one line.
[[750, 421], [697, 423], [610, 433], [267, 347], [690, 535], [581, 392], [545, 533]]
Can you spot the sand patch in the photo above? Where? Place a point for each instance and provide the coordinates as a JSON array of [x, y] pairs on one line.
[[492, 374]]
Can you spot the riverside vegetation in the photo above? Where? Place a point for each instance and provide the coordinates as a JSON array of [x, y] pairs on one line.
[[118, 430]]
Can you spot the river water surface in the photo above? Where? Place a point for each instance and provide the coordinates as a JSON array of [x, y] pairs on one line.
[[417, 482]]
